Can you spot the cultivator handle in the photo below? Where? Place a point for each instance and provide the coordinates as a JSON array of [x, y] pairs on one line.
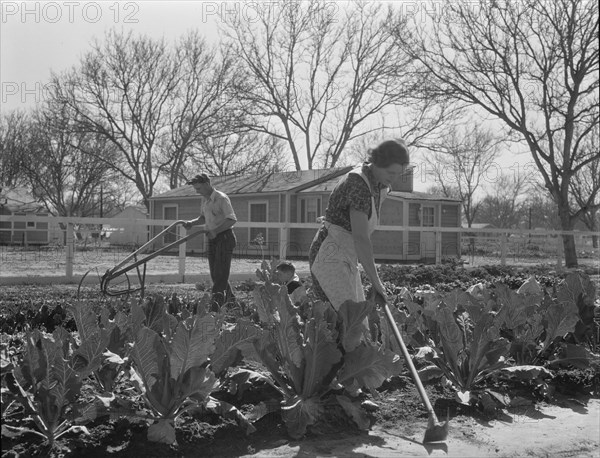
[[132, 262]]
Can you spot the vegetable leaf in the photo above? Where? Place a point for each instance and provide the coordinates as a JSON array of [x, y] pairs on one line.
[[299, 413], [320, 353], [368, 366], [192, 347]]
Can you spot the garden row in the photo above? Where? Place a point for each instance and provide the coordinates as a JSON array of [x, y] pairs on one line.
[[174, 355]]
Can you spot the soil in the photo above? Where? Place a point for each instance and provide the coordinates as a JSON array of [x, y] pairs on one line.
[[567, 427], [17, 264], [39, 263]]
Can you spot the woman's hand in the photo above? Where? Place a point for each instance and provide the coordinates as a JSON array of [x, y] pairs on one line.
[[380, 290]]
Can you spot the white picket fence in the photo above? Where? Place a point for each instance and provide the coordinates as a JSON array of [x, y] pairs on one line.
[[497, 244]]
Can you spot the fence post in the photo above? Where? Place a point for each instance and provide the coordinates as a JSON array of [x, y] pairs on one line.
[[70, 251], [503, 241], [182, 249], [283, 242]]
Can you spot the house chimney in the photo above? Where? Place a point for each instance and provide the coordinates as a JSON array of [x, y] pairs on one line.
[[405, 182]]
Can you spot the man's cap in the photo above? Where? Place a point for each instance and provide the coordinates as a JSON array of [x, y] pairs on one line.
[[202, 178]]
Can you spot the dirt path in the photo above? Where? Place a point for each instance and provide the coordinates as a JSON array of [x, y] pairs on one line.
[[17, 267], [569, 430]]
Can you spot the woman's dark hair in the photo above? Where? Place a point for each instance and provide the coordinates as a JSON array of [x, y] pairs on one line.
[[389, 152]]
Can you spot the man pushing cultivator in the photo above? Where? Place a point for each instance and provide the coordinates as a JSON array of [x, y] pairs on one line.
[[217, 214]]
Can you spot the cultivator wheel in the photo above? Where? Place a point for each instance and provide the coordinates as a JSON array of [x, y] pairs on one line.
[[91, 277], [117, 287]]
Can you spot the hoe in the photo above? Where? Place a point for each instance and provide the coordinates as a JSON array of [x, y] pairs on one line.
[[435, 432]]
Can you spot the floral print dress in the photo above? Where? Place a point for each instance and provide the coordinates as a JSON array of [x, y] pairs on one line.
[[351, 192]]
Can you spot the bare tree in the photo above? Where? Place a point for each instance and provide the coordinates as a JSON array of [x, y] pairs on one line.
[[534, 66], [206, 107], [585, 189], [446, 191], [14, 138], [121, 91], [152, 103], [236, 154], [542, 212], [317, 74], [460, 163], [62, 166], [503, 205]]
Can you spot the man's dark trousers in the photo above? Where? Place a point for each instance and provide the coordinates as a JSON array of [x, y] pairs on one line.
[[220, 252]]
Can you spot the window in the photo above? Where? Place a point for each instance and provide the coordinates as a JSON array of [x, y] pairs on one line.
[[258, 211], [428, 216], [31, 224], [170, 212], [309, 209]]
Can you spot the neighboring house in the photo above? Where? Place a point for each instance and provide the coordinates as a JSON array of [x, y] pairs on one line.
[[132, 232], [19, 202], [301, 197]]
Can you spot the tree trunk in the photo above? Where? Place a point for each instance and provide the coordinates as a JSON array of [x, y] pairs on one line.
[[566, 222]]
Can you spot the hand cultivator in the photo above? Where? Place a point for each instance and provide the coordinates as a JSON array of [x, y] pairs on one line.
[[435, 432], [113, 280]]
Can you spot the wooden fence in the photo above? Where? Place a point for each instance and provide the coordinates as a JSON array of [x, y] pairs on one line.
[[497, 244]]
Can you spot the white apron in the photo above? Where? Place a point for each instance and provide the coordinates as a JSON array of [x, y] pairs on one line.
[[336, 263]]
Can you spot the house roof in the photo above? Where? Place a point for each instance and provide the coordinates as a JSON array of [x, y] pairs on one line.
[[328, 185], [272, 182], [323, 186], [415, 195], [141, 209]]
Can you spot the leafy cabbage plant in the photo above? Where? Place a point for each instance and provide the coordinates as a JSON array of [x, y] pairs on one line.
[[460, 335], [48, 387], [309, 359], [171, 365], [169, 362], [538, 323], [101, 348], [468, 337]]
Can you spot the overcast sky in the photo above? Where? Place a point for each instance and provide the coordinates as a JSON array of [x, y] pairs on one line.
[[39, 37]]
